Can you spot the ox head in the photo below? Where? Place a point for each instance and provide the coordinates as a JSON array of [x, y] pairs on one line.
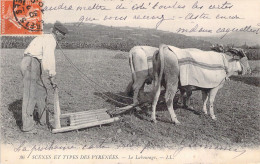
[[240, 55]]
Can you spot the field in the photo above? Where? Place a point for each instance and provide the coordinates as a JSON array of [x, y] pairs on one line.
[[236, 106]]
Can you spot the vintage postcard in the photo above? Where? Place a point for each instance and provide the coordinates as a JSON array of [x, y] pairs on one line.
[[130, 81]]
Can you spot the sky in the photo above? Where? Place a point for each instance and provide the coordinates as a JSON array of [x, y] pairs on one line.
[[190, 17]]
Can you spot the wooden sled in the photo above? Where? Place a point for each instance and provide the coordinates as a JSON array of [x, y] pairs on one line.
[[73, 121]]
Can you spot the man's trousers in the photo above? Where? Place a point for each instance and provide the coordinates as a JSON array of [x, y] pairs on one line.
[[34, 93]]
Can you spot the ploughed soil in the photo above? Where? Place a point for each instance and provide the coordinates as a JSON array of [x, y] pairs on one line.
[[108, 73]]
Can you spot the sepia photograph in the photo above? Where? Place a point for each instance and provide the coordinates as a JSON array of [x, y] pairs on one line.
[[128, 81]]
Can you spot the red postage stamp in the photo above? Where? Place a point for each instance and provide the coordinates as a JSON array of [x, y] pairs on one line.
[[21, 17]]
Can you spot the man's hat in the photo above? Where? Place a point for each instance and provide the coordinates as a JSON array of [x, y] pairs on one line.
[[60, 27]]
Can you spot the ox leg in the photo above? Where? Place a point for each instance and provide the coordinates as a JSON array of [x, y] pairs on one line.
[[187, 100], [129, 90], [181, 98], [156, 94], [205, 100], [212, 95], [137, 86], [171, 89], [170, 93], [141, 93]]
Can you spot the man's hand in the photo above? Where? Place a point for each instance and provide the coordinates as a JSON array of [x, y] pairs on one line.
[[53, 84]]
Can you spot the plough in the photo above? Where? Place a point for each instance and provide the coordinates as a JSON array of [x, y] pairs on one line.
[[73, 121], [79, 120]]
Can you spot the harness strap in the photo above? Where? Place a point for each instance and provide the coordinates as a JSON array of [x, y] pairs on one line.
[[30, 55], [243, 64], [225, 61], [149, 59]]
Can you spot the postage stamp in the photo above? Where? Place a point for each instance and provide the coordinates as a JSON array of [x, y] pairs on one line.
[[21, 17]]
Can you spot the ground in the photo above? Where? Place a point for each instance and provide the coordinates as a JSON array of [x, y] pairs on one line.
[[236, 106]]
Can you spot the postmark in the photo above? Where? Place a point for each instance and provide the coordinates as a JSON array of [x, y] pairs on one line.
[[21, 17]]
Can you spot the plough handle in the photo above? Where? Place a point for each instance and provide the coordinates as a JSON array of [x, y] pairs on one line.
[[57, 111]]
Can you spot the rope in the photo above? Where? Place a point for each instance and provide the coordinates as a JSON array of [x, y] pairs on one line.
[[84, 78], [89, 78]]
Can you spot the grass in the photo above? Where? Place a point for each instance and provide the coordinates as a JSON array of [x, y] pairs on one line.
[[236, 106]]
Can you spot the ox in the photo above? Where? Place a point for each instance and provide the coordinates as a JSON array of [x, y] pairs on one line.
[[167, 72], [140, 60]]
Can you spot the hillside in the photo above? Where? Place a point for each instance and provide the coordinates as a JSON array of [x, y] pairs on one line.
[[124, 38], [115, 38], [236, 38]]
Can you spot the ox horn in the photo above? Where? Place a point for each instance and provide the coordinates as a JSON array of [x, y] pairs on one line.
[[242, 52], [233, 51]]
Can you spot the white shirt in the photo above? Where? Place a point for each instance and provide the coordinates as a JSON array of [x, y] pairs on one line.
[[43, 47]]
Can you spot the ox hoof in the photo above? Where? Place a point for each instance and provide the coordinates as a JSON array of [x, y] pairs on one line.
[[214, 117], [138, 109], [189, 107], [154, 120], [177, 122], [180, 104]]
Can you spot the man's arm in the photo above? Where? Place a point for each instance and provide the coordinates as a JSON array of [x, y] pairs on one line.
[[48, 59]]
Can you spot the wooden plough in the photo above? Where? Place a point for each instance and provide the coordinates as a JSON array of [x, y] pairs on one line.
[[79, 120]]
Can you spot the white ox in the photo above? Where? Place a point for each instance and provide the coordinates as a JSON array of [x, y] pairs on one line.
[[167, 72], [140, 60]]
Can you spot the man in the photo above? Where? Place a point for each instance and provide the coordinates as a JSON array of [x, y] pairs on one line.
[[37, 56]]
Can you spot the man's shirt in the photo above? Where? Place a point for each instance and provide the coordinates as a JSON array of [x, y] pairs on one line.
[[43, 47]]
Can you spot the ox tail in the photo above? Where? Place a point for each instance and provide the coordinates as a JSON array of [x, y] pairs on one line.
[[161, 57], [129, 89], [158, 68]]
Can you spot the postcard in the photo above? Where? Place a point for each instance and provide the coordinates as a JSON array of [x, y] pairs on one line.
[[130, 81]]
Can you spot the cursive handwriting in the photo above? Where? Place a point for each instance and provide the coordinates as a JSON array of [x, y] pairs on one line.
[[95, 6], [130, 144], [37, 148], [219, 16], [248, 29], [220, 30], [195, 29], [161, 19], [192, 14], [176, 5], [83, 19], [205, 146], [102, 144], [226, 5], [58, 7], [106, 143]]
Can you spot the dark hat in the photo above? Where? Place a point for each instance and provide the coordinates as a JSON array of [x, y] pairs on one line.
[[60, 27]]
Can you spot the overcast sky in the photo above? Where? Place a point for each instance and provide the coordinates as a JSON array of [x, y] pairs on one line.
[[246, 12]]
